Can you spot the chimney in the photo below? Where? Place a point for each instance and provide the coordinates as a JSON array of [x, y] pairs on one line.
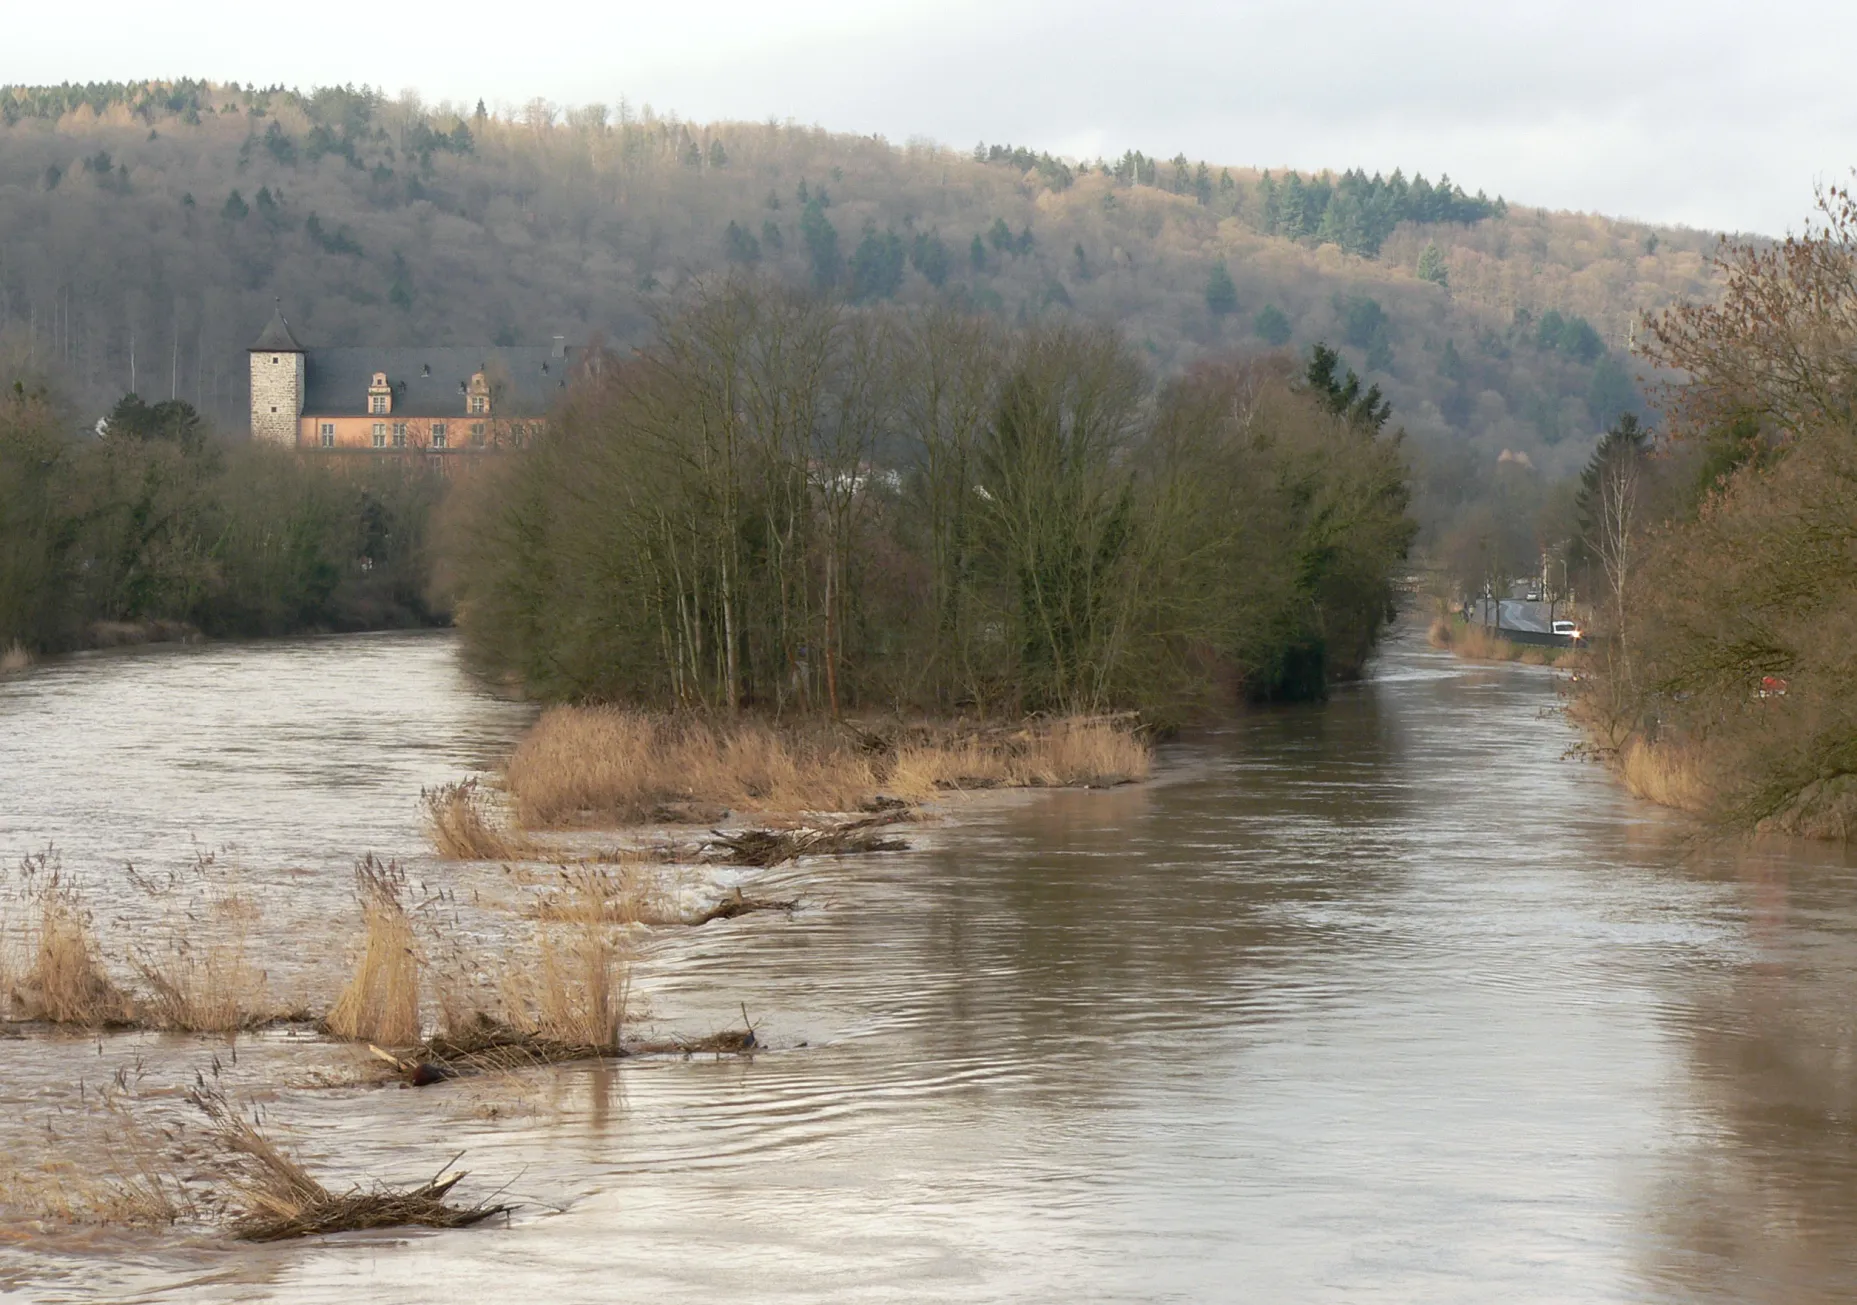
[[560, 349]]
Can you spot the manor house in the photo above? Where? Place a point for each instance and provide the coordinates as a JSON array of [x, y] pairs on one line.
[[418, 399]]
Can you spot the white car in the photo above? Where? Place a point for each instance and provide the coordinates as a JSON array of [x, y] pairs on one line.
[[1570, 629]]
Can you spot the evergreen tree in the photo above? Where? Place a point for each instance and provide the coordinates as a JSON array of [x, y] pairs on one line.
[[1000, 235], [977, 254], [821, 237], [771, 236], [1622, 449], [740, 246], [1272, 326], [930, 257], [236, 210], [1366, 410], [1431, 266], [877, 266], [1221, 294], [718, 157]]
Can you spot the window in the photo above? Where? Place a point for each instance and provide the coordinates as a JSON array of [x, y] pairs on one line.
[[380, 434], [477, 432], [377, 404], [438, 434], [399, 434], [328, 434], [480, 403]]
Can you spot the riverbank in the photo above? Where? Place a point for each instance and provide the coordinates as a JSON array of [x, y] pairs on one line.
[[1478, 643], [464, 978], [1719, 780]]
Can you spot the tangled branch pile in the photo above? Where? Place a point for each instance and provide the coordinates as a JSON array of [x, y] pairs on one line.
[[278, 1198]]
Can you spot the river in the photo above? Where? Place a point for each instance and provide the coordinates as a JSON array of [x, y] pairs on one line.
[[1385, 1000]]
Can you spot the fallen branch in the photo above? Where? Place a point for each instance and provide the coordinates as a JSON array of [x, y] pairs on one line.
[[280, 1199], [771, 847]]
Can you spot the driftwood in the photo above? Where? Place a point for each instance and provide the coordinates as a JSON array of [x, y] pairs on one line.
[[735, 903], [489, 1046], [771, 847], [278, 1198]]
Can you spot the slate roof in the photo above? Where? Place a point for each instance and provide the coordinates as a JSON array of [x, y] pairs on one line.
[[524, 382], [276, 336]]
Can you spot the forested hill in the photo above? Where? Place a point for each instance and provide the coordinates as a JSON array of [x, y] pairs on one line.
[[146, 229]]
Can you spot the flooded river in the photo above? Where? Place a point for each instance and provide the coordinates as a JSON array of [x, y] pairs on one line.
[[1379, 1001]]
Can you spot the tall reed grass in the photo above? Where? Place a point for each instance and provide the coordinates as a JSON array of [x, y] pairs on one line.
[[584, 765], [1668, 774], [205, 977], [463, 828], [587, 765], [576, 992], [381, 1000], [57, 974], [1481, 644]]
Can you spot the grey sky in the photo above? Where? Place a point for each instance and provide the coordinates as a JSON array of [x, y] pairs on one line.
[[1709, 113]]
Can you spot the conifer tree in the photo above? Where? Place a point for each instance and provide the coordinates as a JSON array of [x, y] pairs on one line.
[[1221, 294]]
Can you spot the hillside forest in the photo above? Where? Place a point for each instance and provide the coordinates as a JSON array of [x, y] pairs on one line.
[[145, 230]]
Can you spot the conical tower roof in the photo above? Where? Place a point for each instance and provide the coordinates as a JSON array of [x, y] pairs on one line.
[[276, 336]]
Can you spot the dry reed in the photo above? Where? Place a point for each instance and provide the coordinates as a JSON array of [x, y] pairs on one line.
[[1090, 751], [463, 829], [575, 994], [117, 1175], [1668, 774], [1479, 643], [60, 977], [278, 1198], [582, 765], [202, 985], [17, 657], [585, 765], [381, 1001]]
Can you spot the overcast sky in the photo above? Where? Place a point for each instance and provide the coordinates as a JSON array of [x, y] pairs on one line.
[[1705, 112]]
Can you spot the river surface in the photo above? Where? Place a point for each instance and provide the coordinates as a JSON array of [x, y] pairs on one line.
[[1386, 1000]]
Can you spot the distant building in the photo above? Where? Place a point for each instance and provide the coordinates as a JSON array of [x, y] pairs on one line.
[[418, 399]]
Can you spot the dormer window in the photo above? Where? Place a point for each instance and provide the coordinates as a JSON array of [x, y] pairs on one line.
[[380, 396], [477, 395]]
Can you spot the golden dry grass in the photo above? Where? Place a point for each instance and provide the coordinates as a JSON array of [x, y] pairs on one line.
[[576, 993], [587, 765], [1479, 643], [100, 1166], [583, 765], [462, 827], [16, 657], [631, 887], [1093, 751], [58, 975], [1668, 774], [204, 979], [381, 1000], [276, 1197]]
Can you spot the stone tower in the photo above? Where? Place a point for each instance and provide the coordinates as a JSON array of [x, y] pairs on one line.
[[276, 383]]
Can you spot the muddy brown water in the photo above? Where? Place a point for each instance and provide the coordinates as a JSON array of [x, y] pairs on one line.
[[1380, 1001]]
